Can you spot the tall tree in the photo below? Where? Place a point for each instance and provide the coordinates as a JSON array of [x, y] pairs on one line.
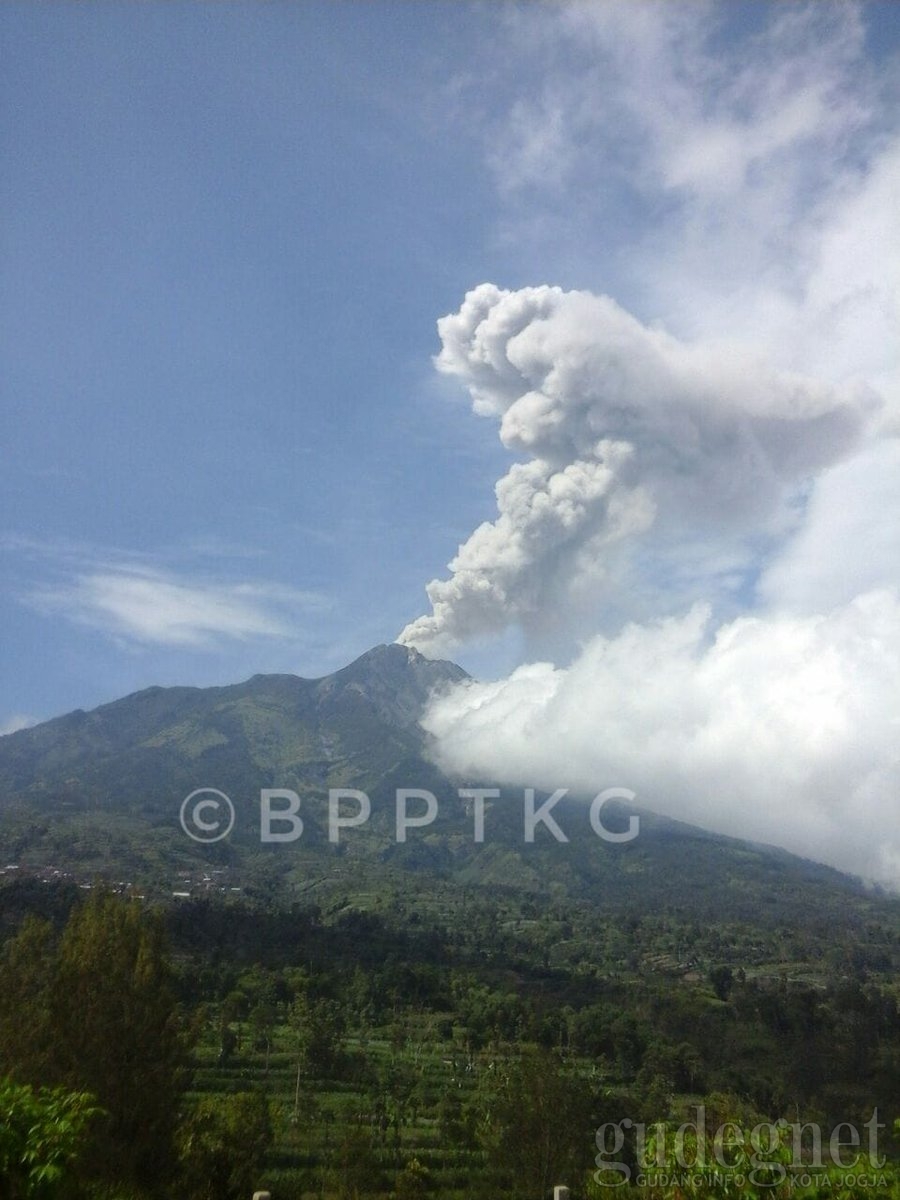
[[222, 1145], [541, 1126], [101, 1017], [27, 970], [114, 1012]]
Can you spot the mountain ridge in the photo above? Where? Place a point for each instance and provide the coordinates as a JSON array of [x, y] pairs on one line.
[[100, 791], [159, 703]]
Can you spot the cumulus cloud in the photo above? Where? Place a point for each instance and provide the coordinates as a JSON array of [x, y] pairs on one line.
[[629, 432], [148, 606], [783, 730]]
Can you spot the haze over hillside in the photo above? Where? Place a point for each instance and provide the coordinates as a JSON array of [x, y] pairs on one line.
[[104, 792]]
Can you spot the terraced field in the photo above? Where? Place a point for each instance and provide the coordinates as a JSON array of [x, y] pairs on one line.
[[402, 1113]]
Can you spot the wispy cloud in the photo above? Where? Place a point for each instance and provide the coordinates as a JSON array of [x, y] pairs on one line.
[[16, 722], [153, 607], [154, 599], [729, 182]]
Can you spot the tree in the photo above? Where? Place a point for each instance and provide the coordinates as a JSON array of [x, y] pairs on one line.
[[721, 978], [262, 1021], [27, 966], [101, 1018], [42, 1133], [541, 1125], [222, 1144], [413, 1181], [115, 1015], [317, 1026], [356, 1171]]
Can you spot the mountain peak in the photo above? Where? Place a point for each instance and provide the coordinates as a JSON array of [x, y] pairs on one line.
[[396, 679], [135, 754], [396, 656]]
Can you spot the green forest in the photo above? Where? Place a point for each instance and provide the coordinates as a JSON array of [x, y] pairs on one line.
[[437, 1045]]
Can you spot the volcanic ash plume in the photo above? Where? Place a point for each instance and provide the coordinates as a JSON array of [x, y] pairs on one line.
[[639, 448]]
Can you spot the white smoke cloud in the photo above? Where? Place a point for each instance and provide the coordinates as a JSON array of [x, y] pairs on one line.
[[664, 470], [630, 432], [781, 729], [706, 497]]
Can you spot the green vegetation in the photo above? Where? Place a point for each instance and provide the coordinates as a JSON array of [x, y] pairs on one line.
[[94, 1011], [438, 1018], [42, 1134], [389, 1052]]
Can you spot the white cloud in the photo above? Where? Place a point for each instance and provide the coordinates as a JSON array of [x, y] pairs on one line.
[[149, 606], [732, 174], [849, 541], [848, 318], [674, 99], [781, 730], [729, 182], [655, 461]]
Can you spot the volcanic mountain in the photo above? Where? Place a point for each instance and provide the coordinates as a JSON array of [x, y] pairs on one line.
[[102, 793]]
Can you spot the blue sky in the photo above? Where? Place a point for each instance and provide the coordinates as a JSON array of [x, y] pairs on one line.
[[229, 233], [235, 440]]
